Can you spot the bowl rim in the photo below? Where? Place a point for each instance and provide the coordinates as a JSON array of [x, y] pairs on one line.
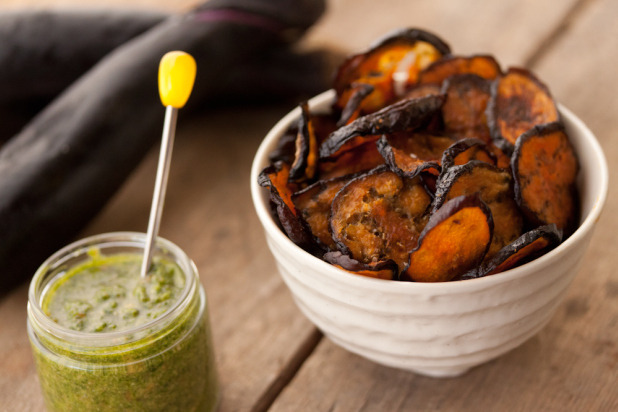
[[342, 276]]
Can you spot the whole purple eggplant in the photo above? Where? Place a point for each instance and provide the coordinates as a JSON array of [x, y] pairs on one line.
[[60, 170]]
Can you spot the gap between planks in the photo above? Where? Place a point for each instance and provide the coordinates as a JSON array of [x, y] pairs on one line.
[[305, 350], [557, 33]]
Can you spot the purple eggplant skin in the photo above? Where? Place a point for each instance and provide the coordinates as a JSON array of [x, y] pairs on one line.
[[413, 35], [14, 116], [44, 51], [61, 169], [363, 90], [346, 262], [276, 76], [404, 115], [550, 232]]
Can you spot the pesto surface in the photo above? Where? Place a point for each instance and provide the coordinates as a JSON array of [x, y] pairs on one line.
[[170, 368], [107, 294]]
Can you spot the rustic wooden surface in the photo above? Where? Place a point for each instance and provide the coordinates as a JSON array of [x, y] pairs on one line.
[[269, 356]]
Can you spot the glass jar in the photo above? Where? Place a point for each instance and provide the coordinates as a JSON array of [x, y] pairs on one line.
[[166, 364]]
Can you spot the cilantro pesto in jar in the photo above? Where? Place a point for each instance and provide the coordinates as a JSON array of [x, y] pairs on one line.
[[106, 339], [107, 293]]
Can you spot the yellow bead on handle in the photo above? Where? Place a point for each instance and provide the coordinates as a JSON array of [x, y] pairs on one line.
[[176, 77]]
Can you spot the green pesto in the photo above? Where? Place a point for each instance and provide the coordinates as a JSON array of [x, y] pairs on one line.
[[107, 294], [169, 368]]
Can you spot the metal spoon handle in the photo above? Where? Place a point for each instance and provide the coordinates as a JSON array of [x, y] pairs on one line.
[[158, 198]]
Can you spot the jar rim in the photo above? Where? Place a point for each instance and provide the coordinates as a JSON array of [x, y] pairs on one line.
[[116, 239]]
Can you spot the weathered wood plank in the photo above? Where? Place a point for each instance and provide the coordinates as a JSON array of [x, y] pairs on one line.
[[19, 385], [510, 30], [573, 363]]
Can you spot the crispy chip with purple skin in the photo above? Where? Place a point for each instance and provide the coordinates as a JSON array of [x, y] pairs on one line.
[[361, 158], [378, 216], [393, 61], [384, 269], [484, 66], [422, 90], [453, 242], [305, 165], [402, 116], [412, 153], [353, 108], [525, 248], [519, 101], [463, 111], [544, 167], [276, 178], [463, 151], [314, 202], [495, 188]]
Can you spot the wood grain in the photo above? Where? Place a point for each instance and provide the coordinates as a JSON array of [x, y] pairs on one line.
[[510, 30], [261, 339]]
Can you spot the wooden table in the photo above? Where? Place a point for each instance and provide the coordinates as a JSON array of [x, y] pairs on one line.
[[270, 357]]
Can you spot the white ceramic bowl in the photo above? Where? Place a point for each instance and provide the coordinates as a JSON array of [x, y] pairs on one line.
[[435, 329]]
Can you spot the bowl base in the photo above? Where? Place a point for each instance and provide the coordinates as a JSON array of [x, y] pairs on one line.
[[441, 372]]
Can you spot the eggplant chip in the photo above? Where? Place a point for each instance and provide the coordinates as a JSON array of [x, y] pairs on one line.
[[323, 125], [404, 115], [353, 109], [494, 186], [358, 159], [384, 269], [395, 59], [503, 161], [544, 168], [453, 242], [378, 216], [313, 202], [463, 111], [305, 163], [411, 153], [518, 102], [286, 146], [275, 177], [429, 181], [528, 246], [463, 151], [422, 90], [484, 66], [427, 166]]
